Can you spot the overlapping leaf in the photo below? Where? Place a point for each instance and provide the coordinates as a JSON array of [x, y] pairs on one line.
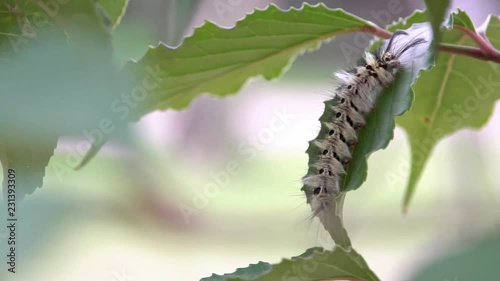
[[115, 9], [46, 89], [437, 14], [23, 22], [314, 264], [475, 262], [459, 92]]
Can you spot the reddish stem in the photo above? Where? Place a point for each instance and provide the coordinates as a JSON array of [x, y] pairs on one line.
[[468, 51], [480, 41], [485, 51], [377, 31]]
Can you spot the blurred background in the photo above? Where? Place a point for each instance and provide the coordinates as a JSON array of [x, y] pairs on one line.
[[182, 195]]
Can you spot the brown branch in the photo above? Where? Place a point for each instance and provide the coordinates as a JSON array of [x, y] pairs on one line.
[[468, 51], [480, 41], [377, 31], [486, 51]]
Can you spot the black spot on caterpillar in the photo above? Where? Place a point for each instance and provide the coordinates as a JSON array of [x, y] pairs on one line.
[[355, 97]]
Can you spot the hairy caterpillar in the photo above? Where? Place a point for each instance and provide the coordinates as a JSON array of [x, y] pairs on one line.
[[354, 98]]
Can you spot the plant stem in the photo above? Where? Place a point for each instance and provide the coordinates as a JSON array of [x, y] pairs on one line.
[[377, 31], [481, 42], [468, 51], [485, 51]]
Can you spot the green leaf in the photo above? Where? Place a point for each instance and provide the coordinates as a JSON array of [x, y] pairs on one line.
[[115, 10], [459, 92], [49, 87], [79, 20], [416, 17], [27, 161], [380, 124], [249, 273], [179, 15], [476, 262], [437, 12], [460, 18], [492, 29], [62, 50], [16, 30], [338, 231], [131, 41], [23, 23], [314, 264], [219, 61]]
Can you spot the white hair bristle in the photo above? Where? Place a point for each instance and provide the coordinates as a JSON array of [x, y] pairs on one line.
[[344, 116]]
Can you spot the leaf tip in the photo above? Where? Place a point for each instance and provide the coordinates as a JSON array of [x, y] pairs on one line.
[[406, 202]]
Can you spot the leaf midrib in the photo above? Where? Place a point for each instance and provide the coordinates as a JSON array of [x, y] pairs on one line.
[[440, 95]]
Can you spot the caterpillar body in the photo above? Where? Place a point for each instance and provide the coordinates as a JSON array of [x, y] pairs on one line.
[[344, 115]]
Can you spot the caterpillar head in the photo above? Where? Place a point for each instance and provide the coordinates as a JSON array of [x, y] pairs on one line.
[[389, 62], [391, 57]]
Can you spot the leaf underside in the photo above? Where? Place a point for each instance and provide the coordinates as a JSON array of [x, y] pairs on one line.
[[219, 61]]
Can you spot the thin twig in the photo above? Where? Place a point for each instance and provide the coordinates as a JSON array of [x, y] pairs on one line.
[[468, 51], [377, 31], [486, 51], [480, 41]]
